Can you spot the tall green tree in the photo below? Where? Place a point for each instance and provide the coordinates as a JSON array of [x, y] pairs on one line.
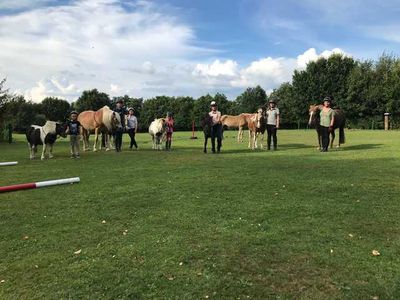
[[55, 109], [251, 99], [92, 100]]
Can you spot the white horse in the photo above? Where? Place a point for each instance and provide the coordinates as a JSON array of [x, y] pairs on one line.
[[157, 132]]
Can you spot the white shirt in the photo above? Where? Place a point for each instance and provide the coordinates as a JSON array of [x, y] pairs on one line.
[[131, 122]]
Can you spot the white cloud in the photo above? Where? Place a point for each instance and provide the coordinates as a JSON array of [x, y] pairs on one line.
[[94, 43], [311, 55], [217, 68], [62, 50], [267, 72]]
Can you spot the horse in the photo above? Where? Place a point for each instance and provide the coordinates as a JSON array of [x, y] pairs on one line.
[[239, 122], [339, 122], [206, 124], [102, 120], [257, 126], [44, 135], [157, 131]]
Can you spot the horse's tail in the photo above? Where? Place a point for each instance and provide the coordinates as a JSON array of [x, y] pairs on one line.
[[342, 138]]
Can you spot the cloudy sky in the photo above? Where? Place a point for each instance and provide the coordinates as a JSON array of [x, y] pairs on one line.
[[145, 48]]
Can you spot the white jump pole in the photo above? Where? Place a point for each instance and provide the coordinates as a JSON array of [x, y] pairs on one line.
[[9, 163], [35, 185]]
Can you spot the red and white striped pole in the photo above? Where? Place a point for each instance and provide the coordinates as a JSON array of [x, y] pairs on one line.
[[34, 185], [8, 163]]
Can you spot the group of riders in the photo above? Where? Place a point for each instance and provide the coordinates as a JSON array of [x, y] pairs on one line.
[[130, 125]]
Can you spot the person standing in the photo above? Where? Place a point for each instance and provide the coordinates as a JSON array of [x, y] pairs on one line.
[[169, 124], [74, 129], [132, 125], [273, 119], [121, 110], [216, 129], [327, 119]]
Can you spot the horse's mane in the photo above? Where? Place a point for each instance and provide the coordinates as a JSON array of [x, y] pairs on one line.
[[107, 116], [49, 127]]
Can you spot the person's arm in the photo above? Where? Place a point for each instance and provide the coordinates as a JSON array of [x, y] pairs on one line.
[[332, 119], [219, 118], [136, 125], [67, 130], [278, 119]]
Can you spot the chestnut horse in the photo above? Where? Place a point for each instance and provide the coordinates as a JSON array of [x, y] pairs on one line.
[[239, 122], [257, 125], [102, 120], [339, 122]]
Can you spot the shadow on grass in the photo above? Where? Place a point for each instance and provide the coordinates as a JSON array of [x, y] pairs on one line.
[[361, 147]]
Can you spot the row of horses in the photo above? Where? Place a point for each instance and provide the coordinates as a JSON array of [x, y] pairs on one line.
[[105, 121]]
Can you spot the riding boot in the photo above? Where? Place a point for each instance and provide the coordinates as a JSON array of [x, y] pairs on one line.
[[169, 145], [166, 145], [213, 145], [219, 144]]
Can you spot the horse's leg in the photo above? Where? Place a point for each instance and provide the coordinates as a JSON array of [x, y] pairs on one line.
[[249, 139], [107, 141], [96, 139], [44, 149], [205, 143], [333, 137], [51, 151], [319, 139], [256, 140], [30, 151]]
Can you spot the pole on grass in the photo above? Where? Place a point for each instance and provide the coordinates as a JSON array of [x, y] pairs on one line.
[[387, 121], [193, 128], [8, 163], [35, 185]]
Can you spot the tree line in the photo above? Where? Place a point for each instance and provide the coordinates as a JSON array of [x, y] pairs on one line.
[[365, 90]]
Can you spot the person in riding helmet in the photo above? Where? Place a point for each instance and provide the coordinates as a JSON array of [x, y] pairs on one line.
[[169, 125], [121, 110], [216, 129], [327, 119]]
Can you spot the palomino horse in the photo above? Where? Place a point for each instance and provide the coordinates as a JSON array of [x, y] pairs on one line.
[[157, 131], [257, 125], [339, 122], [206, 124], [103, 119], [239, 122]]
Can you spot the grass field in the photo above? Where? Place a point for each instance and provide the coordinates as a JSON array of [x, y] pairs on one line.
[[290, 224]]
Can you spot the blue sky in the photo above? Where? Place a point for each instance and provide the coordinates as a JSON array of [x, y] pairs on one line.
[[177, 47]]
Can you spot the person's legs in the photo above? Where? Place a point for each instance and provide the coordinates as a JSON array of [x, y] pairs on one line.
[[77, 146], [274, 137], [219, 137], [72, 143], [131, 133], [118, 140], [269, 133], [213, 136], [325, 138], [133, 140]]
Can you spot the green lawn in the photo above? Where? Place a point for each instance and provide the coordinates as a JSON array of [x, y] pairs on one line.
[[290, 224]]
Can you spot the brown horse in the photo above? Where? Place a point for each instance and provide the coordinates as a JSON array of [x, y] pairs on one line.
[[257, 125], [239, 122], [102, 120], [339, 122]]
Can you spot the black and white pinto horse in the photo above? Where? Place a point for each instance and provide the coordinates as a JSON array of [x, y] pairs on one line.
[[44, 135], [206, 125], [339, 122]]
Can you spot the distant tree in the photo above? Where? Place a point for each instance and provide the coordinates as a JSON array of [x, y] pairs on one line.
[[55, 109], [92, 100], [321, 78], [251, 99]]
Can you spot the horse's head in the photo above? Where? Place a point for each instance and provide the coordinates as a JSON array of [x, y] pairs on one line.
[[115, 121], [260, 117], [61, 129], [313, 112], [206, 122]]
